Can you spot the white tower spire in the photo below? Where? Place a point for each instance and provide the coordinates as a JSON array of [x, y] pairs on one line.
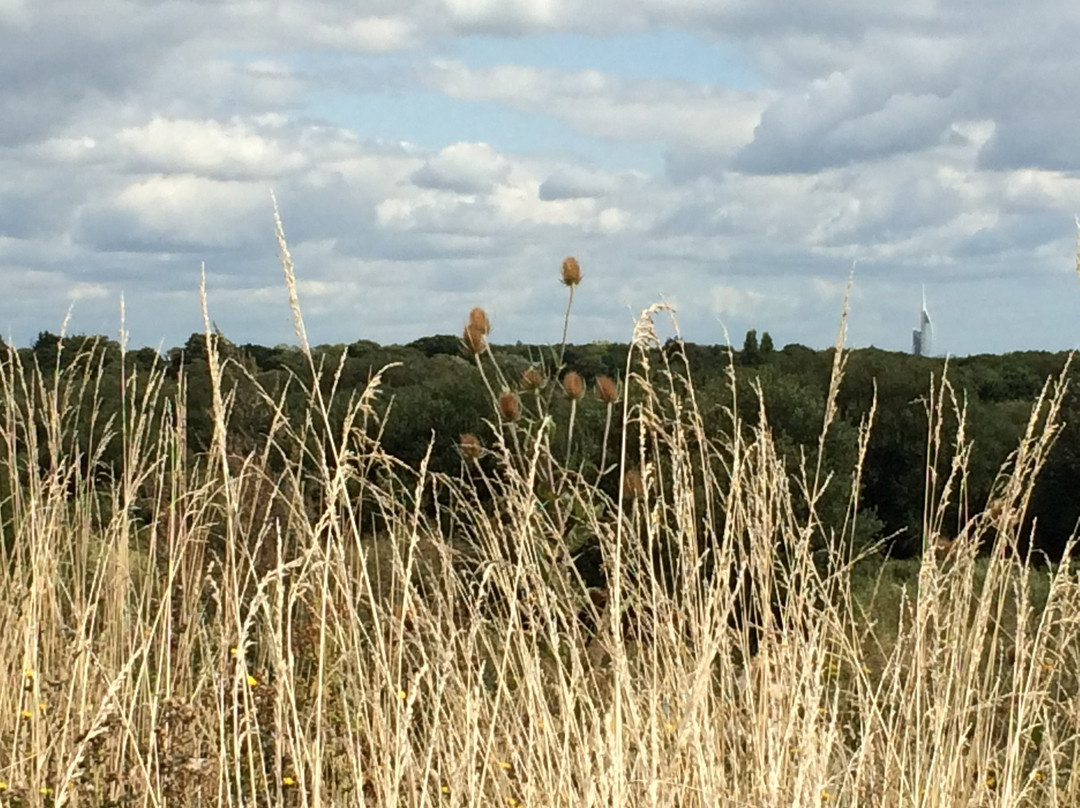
[[922, 338]]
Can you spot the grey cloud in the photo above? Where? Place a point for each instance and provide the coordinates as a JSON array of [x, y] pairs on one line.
[[888, 135], [574, 182], [826, 128]]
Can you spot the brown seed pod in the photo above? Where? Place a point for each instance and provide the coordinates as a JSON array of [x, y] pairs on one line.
[[474, 339], [574, 384], [571, 272], [470, 446], [606, 389], [532, 379], [479, 319], [509, 407]]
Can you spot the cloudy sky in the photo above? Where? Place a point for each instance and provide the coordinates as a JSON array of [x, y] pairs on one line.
[[734, 158]]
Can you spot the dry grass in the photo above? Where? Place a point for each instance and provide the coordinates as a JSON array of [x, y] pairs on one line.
[[252, 644]]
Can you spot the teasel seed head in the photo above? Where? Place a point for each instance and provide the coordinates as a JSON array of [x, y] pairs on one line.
[[532, 379], [574, 385], [470, 446], [571, 271], [474, 339], [479, 319], [606, 389], [509, 407]]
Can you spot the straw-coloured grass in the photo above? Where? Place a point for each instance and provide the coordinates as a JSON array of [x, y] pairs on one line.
[[253, 642]]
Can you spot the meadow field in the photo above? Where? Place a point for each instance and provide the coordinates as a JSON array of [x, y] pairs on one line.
[[310, 621]]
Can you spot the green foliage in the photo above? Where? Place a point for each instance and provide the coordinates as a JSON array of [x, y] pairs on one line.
[[435, 394], [767, 349], [751, 351]]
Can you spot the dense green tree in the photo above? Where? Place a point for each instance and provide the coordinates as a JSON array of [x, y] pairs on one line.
[[437, 344], [46, 350], [766, 347], [751, 351]]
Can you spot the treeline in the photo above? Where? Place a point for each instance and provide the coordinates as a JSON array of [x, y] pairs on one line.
[[432, 393]]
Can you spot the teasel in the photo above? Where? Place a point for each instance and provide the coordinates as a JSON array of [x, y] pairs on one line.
[[571, 277], [571, 271], [574, 385], [608, 393], [474, 339], [509, 407], [606, 390], [633, 486], [470, 446], [532, 379], [478, 319]]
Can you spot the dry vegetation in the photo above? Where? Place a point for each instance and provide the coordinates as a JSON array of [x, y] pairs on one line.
[[312, 623]]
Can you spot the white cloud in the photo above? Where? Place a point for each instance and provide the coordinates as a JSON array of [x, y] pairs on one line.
[[603, 105], [928, 143], [208, 148], [464, 168]]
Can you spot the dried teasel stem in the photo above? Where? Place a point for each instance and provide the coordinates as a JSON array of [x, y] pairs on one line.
[[571, 277], [475, 340], [574, 386], [608, 393]]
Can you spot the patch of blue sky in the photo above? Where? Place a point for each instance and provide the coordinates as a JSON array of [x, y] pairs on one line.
[[432, 120], [378, 96], [661, 54]]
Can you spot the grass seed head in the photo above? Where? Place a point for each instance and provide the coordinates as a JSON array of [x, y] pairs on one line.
[[574, 384], [571, 271]]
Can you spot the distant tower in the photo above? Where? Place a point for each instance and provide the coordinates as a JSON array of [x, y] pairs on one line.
[[922, 338]]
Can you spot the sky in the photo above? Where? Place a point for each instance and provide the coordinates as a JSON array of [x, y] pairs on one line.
[[736, 159]]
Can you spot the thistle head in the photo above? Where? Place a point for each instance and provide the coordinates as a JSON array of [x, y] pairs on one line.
[[574, 385], [606, 389], [571, 271], [470, 446], [509, 408]]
